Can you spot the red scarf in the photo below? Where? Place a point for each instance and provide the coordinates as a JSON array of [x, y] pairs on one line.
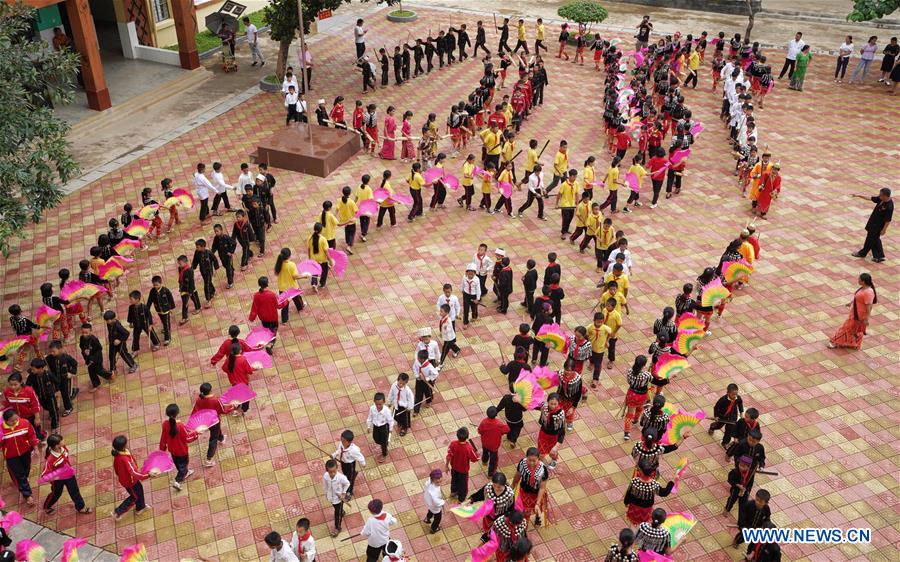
[[730, 406], [381, 516]]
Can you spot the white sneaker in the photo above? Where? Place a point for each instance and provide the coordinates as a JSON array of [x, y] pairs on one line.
[[188, 475], [708, 333], [176, 484], [209, 463], [653, 206]]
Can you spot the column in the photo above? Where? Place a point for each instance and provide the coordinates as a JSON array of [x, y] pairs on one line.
[[85, 37], [185, 29]]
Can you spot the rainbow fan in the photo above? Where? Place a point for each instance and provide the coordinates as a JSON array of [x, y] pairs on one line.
[[713, 293], [134, 553], [484, 552], [475, 511], [680, 426], [340, 261], [127, 246], [737, 271], [680, 469], [670, 409], [668, 365], [110, 270], [530, 392], [651, 556], [686, 341], [44, 315], [138, 228], [75, 290], [121, 261], [554, 337], [546, 378], [689, 321], [8, 347], [29, 551], [678, 525], [147, 212], [185, 198], [70, 549]]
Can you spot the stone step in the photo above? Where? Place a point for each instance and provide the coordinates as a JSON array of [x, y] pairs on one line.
[[806, 16]]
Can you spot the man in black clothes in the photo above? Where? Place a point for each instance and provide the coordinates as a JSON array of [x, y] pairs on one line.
[[92, 352], [429, 52], [877, 224], [513, 411], [418, 55], [480, 40], [504, 37], [463, 42], [398, 66]]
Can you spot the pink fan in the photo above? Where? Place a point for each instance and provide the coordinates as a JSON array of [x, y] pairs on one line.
[[661, 173], [259, 359], [158, 462], [680, 155], [381, 195], [771, 87], [505, 189], [10, 520], [432, 174], [121, 261], [340, 260], [652, 556], [545, 377], [62, 473], [486, 551], [201, 420], [237, 394], [70, 549], [259, 337], [285, 296], [368, 208], [309, 267], [633, 182], [698, 128], [451, 182], [638, 59], [402, 199]]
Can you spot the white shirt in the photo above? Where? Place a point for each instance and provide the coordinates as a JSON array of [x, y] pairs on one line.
[[219, 183], [202, 185], [434, 350], [845, 50], [349, 455], [794, 48], [446, 328], [403, 398], [307, 60], [252, 34], [726, 70], [283, 555], [288, 82], [244, 179], [610, 268], [379, 417], [536, 182], [471, 286], [378, 531], [485, 264], [305, 550], [426, 371], [360, 34], [614, 253], [301, 106], [434, 499], [454, 305], [335, 487], [291, 99]]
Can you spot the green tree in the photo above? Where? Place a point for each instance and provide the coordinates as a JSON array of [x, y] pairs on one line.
[[283, 21], [583, 12], [865, 10], [34, 155]]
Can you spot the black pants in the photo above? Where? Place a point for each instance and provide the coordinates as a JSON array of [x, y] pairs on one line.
[[304, 84], [489, 457], [215, 437], [673, 178], [692, 77], [374, 553], [364, 225], [338, 515], [469, 305], [392, 211], [204, 209], [380, 435], [286, 311], [270, 203], [657, 187], [418, 69], [515, 428], [349, 471], [398, 75], [56, 490], [531, 199], [579, 230], [181, 467], [403, 417], [440, 55], [611, 349], [611, 200], [65, 392], [292, 115], [449, 345], [459, 485], [735, 493], [96, 372], [568, 213], [538, 45], [434, 519], [601, 255], [261, 239], [52, 409], [554, 183], [521, 44], [430, 61], [117, 350], [360, 49], [482, 47], [728, 430], [529, 301], [135, 498], [504, 201], [439, 195], [540, 348], [788, 67], [350, 234], [185, 298], [220, 198], [466, 198], [228, 264], [136, 337], [416, 209], [20, 468], [841, 67], [384, 76], [482, 279], [209, 288], [597, 362], [873, 243], [538, 96], [423, 392], [503, 45], [485, 201], [503, 307], [245, 255], [320, 280]]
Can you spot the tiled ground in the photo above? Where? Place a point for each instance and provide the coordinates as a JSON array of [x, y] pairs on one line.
[[827, 415]]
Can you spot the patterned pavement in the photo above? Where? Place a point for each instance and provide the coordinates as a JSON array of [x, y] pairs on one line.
[[826, 414]]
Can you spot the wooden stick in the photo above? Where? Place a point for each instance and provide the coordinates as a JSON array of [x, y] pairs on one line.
[[768, 472], [541, 153], [324, 452], [725, 422], [495, 23], [351, 537]]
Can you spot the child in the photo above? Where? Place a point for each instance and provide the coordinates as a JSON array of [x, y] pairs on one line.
[[726, 411], [426, 375], [529, 284], [377, 530], [242, 233], [612, 181], [166, 188], [175, 438], [523, 339], [557, 294], [570, 390], [23, 326], [336, 486], [60, 329], [563, 41], [117, 337], [552, 429], [268, 195], [749, 422], [302, 542], [543, 314], [598, 333], [58, 457], [381, 421], [638, 385], [224, 246], [363, 193], [448, 334], [64, 369], [551, 269], [347, 453], [208, 264], [487, 184], [187, 288], [504, 285], [434, 500], [126, 469], [140, 320], [163, 302], [22, 400], [637, 168], [592, 229], [258, 217], [753, 514], [448, 298], [281, 550], [460, 454], [740, 478], [471, 288], [582, 213], [155, 230], [491, 430], [92, 353], [684, 302], [206, 400], [400, 400], [202, 186], [346, 212], [19, 441]]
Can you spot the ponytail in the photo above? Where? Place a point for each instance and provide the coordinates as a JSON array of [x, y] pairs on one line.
[[232, 354], [173, 427], [172, 412], [283, 255], [867, 281]]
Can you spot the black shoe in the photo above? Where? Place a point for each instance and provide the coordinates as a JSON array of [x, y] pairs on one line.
[[858, 255], [878, 260]]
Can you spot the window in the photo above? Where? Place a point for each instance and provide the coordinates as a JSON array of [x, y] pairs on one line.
[[160, 10]]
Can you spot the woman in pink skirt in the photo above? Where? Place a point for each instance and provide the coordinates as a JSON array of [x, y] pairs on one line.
[[390, 132], [851, 332], [408, 150]]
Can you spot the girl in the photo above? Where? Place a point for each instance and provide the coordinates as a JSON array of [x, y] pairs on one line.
[[454, 123], [238, 370], [370, 124], [329, 224], [390, 129], [637, 168], [531, 481], [653, 536], [487, 184], [504, 201], [208, 401], [337, 113], [129, 477], [638, 384], [665, 326], [58, 457], [676, 172], [803, 62], [363, 193], [75, 308], [769, 189], [416, 183], [587, 176], [612, 184], [580, 44], [623, 552], [347, 217], [408, 150], [704, 312], [851, 332], [654, 416], [642, 493], [317, 250], [570, 390], [175, 438], [649, 448], [60, 329], [386, 206], [157, 223], [597, 47], [553, 429], [440, 190], [286, 271], [468, 183], [563, 40]]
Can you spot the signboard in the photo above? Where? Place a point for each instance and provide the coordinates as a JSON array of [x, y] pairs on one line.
[[324, 14]]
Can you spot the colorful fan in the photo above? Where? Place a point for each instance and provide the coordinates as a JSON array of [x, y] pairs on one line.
[[633, 182], [285, 296], [259, 359], [237, 394], [638, 59], [138, 228], [158, 462], [668, 365], [340, 261], [147, 212], [368, 208], [687, 340], [546, 378], [121, 261], [519, 503], [697, 129], [70, 549], [432, 174], [484, 552], [201, 420], [771, 87], [10, 520], [614, 42], [63, 473], [714, 293], [185, 198], [8, 347], [45, 316], [680, 155], [689, 321], [670, 409], [680, 426], [29, 551], [309, 267], [259, 337], [127, 246], [530, 392], [737, 271], [75, 290], [110, 270], [505, 188], [651, 556], [678, 525], [554, 337], [475, 511], [680, 469], [134, 553]]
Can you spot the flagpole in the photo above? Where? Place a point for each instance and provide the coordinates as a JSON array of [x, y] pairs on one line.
[[303, 75]]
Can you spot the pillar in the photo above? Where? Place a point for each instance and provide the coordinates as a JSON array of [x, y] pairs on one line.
[[186, 29], [85, 37]]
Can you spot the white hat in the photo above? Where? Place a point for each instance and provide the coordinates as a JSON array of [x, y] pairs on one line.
[[424, 332], [321, 102], [500, 252], [394, 548], [471, 267], [261, 177]]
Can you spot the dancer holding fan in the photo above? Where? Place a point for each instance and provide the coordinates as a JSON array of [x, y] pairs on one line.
[[206, 400], [58, 470]]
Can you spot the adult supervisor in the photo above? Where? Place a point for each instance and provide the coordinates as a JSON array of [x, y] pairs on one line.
[[877, 224]]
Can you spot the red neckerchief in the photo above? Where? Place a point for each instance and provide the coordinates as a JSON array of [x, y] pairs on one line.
[[381, 516], [181, 272], [756, 551], [752, 424], [554, 286], [731, 404], [305, 537], [744, 476], [551, 264], [443, 321], [568, 379]]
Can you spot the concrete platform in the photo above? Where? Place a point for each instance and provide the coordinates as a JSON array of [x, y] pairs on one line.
[[309, 149]]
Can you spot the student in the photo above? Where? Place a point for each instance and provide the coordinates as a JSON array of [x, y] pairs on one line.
[[242, 233], [557, 294], [471, 289], [523, 340], [348, 454], [57, 457], [317, 249], [336, 486], [460, 454], [582, 213], [280, 549], [92, 353], [45, 385], [500, 494], [565, 200], [63, 369], [504, 285], [639, 172], [258, 217], [129, 476], [513, 369], [202, 186], [23, 400], [531, 481], [286, 271], [302, 542], [380, 421], [23, 326], [529, 285], [612, 184], [140, 321], [642, 492], [491, 430], [543, 314], [447, 297], [400, 401], [363, 193], [654, 416], [434, 500], [377, 530], [535, 179], [346, 211], [187, 288], [652, 536], [117, 337], [510, 530], [447, 333], [726, 412], [570, 390], [223, 247], [504, 37], [552, 429], [753, 514], [623, 550], [552, 268], [175, 438], [513, 412], [740, 480], [638, 384], [206, 400], [221, 187], [560, 166], [487, 185], [426, 377], [480, 40], [563, 41], [18, 442]]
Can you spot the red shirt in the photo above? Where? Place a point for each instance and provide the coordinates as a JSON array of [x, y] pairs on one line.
[[55, 462], [358, 118], [337, 113], [210, 402], [225, 349], [498, 118], [460, 454], [657, 165], [18, 440], [623, 140], [177, 445], [241, 371], [654, 138], [265, 306], [127, 470], [491, 431], [25, 402]]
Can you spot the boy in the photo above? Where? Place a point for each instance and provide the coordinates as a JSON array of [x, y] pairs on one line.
[[598, 333], [64, 368], [448, 334], [741, 481], [242, 233], [726, 412], [560, 166], [747, 423], [426, 374], [380, 421], [622, 247], [400, 400], [140, 320], [45, 386], [164, 303], [117, 336], [491, 431], [22, 400], [434, 500], [471, 288], [523, 339], [752, 514], [302, 542], [23, 326], [377, 530], [504, 285], [551, 269], [613, 319], [460, 454], [258, 217], [187, 288], [513, 411], [348, 453], [529, 284], [617, 274], [336, 486], [224, 246], [750, 447], [429, 345], [268, 199], [92, 353], [483, 266], [202, 186], [280, 549], [516, 366], [557, 294], [448, 298], [18, 443], [208, 264]]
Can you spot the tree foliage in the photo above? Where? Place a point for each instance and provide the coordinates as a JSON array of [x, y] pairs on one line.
[[865, 10], [34, 155], [583, 12], [283, 21]]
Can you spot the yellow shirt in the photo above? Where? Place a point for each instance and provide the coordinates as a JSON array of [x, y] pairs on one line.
[[567, 193], [530, 159], [560, 163], [612, 176], [505, 176], [594, 225], [521, 32], [486, 184], [286, 275], [387, 202], [320, 255], [507, 151], [508, 113], [329, 225], [622, 280], [613, 320], [491, 141], [598, 337], [694, 61], [605, 237], [582, 212], [540, 32], [347, 211], [748, 252], [620, 300], [587, 176], [416, 181], [363, 193], [468, 171], [639, 171]]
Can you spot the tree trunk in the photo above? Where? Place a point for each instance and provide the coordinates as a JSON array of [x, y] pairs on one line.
[[750, 19], [281, 64]]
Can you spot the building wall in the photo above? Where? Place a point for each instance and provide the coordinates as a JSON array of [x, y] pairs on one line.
[[738, 7], [164, 31]]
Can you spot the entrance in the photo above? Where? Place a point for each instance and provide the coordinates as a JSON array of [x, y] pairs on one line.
[[104, 13]]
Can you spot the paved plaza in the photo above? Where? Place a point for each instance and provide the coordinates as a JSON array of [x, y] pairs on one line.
[[829, 417]]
